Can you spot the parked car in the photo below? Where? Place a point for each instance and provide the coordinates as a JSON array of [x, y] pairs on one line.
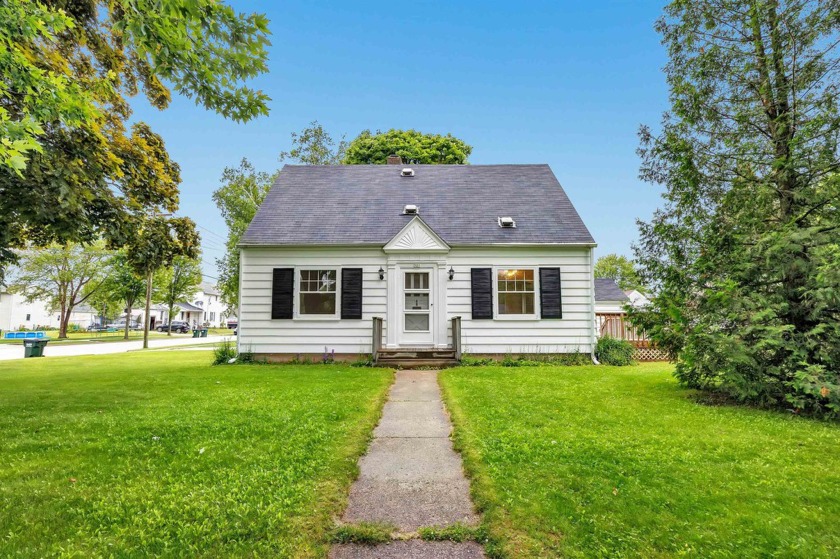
[[232, 324], [177, 326], [133, 325], [97, 327]]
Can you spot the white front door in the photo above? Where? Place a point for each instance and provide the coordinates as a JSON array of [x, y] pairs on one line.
[[416, 308]]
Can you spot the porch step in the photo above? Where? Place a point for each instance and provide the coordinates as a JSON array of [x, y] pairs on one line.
[[416, 357]]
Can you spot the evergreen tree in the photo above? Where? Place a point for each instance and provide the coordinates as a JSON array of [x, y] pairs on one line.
[[743, 257]]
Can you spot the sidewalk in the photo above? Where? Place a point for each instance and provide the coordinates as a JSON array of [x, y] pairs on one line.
[[15, 351], [411, 477]]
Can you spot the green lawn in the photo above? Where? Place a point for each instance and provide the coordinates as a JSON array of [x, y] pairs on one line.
[[134, 455], [621, 462]]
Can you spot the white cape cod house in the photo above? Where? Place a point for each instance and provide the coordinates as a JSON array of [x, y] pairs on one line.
[[427, 261]]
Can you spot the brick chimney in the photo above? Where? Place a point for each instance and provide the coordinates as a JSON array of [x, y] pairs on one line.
[[394, 159]]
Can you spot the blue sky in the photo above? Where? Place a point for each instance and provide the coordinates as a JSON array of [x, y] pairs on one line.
[[563, 83]]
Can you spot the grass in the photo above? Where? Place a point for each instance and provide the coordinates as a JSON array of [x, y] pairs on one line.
[[622, 462], [75, 338], [135, 455]]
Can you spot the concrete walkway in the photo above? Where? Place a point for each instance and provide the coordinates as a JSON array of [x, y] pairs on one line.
[[411, 477], [15, 351]]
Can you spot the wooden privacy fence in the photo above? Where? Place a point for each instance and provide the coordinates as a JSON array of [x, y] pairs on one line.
[[617, 326]]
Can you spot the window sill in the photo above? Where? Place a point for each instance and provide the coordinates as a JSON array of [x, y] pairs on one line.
[[517, 318], [316, 318]]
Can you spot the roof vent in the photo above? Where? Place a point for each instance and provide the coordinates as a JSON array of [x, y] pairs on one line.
[[507, 222], [411, 209], [407, 172]]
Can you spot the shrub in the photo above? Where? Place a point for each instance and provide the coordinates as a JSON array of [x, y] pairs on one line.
[[223, 352], [612, 351]]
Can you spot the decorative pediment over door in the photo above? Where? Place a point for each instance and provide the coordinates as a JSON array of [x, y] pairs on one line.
[[416, 236]]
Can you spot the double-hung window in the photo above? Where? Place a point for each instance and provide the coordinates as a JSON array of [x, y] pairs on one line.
[[318, 292], [515, 292]]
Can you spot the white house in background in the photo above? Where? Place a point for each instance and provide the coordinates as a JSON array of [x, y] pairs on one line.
[[426, 261], [17, 313], [637, 298], [203, 309], [609, 298]]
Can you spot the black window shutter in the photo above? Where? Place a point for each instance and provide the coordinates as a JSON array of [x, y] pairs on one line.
[[482, 293], [282, 293], [351, 293], [551, 301]]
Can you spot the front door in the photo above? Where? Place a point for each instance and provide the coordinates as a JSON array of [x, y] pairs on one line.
[[417, 306]]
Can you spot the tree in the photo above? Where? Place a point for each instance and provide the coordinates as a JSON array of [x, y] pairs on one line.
[[124, 285], [238, 199], [177, 283], [63, 275], [314, 146], [160, 240], [742, 258], [64, 104], [621, 269], [413, 146]]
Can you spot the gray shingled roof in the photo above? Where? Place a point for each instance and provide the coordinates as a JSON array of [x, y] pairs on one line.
[[363, 204], [607, 290]]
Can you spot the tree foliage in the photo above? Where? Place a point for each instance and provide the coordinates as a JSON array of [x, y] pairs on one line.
[[314, 146], [621, 269], [238, 199], [413, 146], [176, 283], [65, 276], [124, 285], [69, 70], [743, 257]]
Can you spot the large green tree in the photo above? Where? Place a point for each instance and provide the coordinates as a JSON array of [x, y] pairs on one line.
[[238, 199], [621, 269], [176, 283], [65, 276], [69, 71], [743, 256], [413, 146]]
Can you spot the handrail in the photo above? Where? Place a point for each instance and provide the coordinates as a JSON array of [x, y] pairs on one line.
[[456, 336], [376, 344]]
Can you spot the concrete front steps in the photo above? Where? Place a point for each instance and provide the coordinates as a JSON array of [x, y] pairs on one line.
[[412, 357]]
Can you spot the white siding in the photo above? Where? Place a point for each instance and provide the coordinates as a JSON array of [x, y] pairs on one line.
[[259, 334]]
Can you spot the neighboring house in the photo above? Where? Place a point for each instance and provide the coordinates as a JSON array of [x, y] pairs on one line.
[[637, 298], [17, 313], [333, 249], [609, 298], [203, 308]]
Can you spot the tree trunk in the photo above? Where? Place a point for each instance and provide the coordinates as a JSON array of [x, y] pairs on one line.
[[169, 328], [148, 310], [62, 322]]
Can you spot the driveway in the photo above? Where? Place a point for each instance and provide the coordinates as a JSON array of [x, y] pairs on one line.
[[15, 351]]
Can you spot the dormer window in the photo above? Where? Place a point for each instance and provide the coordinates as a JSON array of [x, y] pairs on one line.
[[411, 209], [407, 172], [507, 222]]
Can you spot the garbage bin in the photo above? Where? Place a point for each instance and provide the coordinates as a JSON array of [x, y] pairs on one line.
[[34, 347], [196, 333], [204, 332]]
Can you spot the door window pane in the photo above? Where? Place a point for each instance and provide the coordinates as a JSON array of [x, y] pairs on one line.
[[417, 323], [416, 301], [417, 280]]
